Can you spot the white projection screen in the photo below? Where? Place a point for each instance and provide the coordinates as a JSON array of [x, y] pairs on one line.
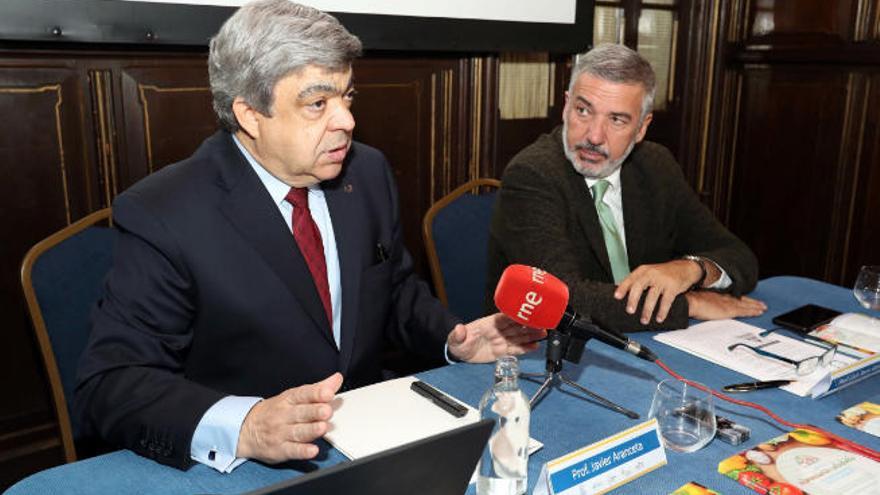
[[551, 11], [560, 26]]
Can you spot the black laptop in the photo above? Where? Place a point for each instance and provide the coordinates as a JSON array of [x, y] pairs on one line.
[[437, 465]]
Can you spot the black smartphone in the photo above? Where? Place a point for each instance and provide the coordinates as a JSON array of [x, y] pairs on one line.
[[805, 318]]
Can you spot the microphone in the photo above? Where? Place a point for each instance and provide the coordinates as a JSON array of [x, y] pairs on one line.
[[537, 299]]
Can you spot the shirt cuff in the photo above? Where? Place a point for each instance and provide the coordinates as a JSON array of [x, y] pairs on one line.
[[450, 359], [723, 281], [215, 440]]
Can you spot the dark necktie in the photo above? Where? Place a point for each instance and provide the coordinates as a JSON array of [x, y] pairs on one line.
[[308, 237]]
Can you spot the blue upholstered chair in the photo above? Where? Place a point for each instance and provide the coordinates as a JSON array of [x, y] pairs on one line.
[[456, 231], [62, 277]]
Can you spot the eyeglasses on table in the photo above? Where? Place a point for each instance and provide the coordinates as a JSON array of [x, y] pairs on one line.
[[802, 366]]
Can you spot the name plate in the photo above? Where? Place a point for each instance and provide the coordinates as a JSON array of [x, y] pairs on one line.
[[605, 465]]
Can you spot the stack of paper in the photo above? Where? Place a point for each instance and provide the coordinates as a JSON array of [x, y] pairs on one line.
[[710, 340]]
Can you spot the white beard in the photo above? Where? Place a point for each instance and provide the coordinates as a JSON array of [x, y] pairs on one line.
[[607, 169]]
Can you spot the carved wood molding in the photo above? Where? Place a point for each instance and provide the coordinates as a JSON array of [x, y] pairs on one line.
[[59, 100], [441, 130], [142, 94], [105, 129], [703, 62], [852, 142]]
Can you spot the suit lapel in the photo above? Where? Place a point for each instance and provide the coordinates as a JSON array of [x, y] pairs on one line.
[[346, 227], [251, 210], [589, 219], [635, 217]]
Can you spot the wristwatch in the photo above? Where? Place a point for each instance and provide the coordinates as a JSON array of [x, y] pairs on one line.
[[703, 272]]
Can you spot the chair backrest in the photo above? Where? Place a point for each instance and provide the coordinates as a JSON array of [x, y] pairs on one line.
[[456, 232], [62, 277]]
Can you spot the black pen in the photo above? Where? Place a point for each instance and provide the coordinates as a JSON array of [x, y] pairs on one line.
[[439, 398], [749, 386]]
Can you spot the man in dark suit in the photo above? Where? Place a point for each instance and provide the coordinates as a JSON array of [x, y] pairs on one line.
[[250, 278], [612, 216]]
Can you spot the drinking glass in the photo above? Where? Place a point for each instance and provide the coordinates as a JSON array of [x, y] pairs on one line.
[[685, 415], [867, 287]]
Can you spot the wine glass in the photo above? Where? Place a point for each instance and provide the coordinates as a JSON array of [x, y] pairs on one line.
[[685, 415], [867, 287]]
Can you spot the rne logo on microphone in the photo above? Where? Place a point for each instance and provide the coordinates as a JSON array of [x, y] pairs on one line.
[[538, 275], [532, 300]]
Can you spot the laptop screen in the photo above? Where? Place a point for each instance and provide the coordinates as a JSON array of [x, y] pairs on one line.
[[437, 465]]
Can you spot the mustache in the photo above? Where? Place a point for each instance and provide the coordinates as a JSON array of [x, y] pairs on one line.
[[585, 145]]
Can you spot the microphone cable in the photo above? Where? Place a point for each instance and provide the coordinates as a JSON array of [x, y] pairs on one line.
[[852, 446]]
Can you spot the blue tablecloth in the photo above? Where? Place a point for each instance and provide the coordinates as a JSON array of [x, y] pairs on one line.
[[562, 422]]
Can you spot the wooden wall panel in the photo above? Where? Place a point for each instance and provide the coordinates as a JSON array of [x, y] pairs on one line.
[[165, 114], [47, 181], [404, 108], [789, 120], [797, 21], [864, 227], [791, 158], [429, 116], [43, 146]]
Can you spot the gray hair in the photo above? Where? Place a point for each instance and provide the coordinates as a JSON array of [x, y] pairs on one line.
[[619, 64], [263, 42]]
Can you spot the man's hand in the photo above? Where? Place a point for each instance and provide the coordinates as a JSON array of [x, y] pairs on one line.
[[663, 281], [708, 305], [490, 337], [283, 427]]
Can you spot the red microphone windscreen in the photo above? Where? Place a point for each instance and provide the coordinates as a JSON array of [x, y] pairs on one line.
[[531, 296]]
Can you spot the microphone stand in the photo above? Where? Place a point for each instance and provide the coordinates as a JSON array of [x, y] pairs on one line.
[[557, 342]]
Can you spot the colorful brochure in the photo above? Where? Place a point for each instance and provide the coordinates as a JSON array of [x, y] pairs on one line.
[[804, 462], [694, 488], [864, 416], [852, 331]]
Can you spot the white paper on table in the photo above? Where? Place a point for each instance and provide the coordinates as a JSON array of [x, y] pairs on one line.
[[388, 414], [710, 340]]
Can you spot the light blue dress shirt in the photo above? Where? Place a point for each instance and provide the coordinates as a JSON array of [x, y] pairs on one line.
[[216, 437]]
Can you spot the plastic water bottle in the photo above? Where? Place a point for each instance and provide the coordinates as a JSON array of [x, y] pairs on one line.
[[503, 466]]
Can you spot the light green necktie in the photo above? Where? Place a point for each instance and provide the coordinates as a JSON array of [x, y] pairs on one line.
[[613, 243]]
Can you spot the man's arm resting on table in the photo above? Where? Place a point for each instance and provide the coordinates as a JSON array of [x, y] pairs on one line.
[[215, 440], [711, 305], [659, 284]]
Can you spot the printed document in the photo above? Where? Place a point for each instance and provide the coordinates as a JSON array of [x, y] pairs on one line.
[[710, 340]]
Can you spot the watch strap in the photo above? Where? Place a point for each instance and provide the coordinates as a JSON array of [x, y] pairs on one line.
[[701, 262]]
